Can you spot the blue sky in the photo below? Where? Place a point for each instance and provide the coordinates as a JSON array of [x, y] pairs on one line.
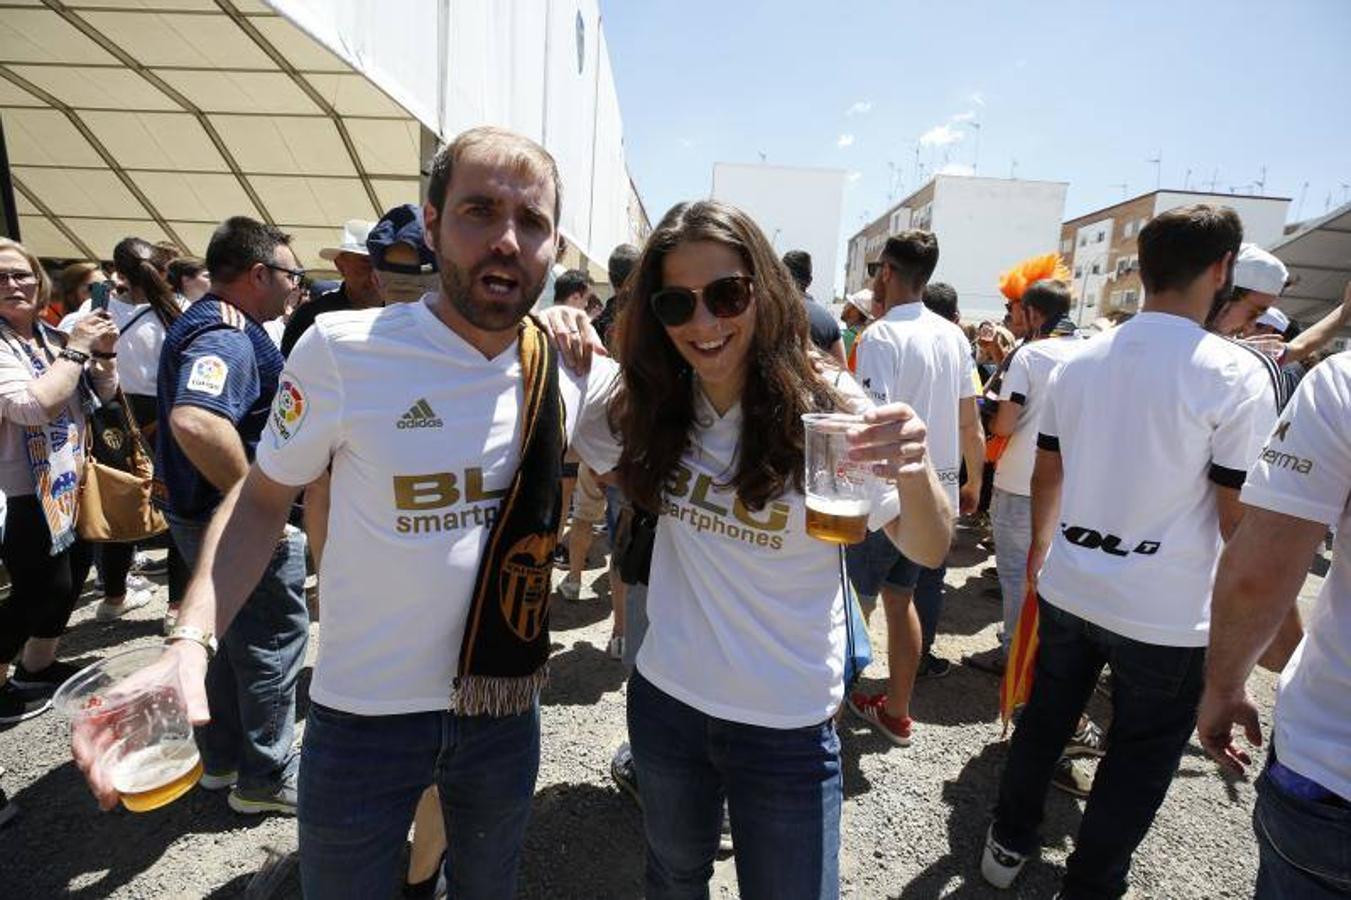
[[1081, 92]]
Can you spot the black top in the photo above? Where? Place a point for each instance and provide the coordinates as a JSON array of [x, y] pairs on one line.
[[825, 330], [303, 318]]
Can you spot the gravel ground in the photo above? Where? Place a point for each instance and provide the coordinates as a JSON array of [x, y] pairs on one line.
[[914, 819]]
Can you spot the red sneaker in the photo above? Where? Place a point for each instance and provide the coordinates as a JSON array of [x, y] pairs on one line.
[[873, 710]]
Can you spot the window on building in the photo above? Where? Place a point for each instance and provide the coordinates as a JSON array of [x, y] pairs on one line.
[[1101, 236], [1067, 245], [1078, 271], [1144, 220], [1130, 300], [1097, 268], [1083, 240], [1129, 230], [1123, 265]]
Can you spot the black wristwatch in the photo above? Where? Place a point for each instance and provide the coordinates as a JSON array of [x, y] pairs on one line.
[[79, 357]]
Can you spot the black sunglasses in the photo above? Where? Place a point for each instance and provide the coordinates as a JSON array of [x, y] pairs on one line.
[[295, 276], [724, 297], [876, 266]]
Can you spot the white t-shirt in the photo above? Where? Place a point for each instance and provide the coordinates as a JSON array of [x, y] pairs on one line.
[[138, 352], [1025, 384], [1146, 417], [423, 434], [1305, 471], [745, 611], [913, 355]]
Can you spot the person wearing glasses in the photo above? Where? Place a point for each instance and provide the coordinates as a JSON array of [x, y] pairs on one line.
[[218, 374], [44, 404], [740, 673]]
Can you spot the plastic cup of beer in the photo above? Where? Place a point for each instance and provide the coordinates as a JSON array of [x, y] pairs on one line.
[[129, 719], [839, 490]]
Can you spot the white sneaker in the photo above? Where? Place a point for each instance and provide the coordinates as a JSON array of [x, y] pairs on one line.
[[570, 590], [999, 865], [137, 582], [219, 781], [107, 612]]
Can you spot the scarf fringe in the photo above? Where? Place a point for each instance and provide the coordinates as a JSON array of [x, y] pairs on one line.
[[497, 695]]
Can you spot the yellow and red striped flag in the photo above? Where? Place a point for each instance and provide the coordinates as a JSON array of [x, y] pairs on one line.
[[1016, 686]]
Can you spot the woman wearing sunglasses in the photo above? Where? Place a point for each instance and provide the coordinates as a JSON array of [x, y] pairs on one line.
[[740, 673]]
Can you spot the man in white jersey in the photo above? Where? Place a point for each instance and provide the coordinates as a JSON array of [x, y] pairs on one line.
[[915, 356], [420, 409], [1145, 440], [1022, 396], [1299, 487]]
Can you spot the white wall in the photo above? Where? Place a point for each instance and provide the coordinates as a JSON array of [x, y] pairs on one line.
[[1263, 217], [986, 225], [538, 67], [797, 208]]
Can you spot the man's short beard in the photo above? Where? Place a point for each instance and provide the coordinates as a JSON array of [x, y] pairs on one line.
[[459, 291]]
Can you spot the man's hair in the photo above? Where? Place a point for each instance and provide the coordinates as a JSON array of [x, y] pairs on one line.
[[508, 148], [238, 244], [941, 298], [799, 265], [913, 255], [1049, 297], [1178, 245], [622, 261], [571, 282]]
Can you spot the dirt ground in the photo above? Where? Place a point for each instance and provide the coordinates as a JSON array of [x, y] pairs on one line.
[[914, 819]]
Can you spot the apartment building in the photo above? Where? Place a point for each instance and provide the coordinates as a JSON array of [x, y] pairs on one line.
[[984, 226], [1100, 247]]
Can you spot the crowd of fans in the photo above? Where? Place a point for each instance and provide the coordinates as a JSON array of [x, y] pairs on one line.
[[411, 440]]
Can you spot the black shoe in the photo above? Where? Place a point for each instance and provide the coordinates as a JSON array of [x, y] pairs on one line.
[[561, 556], [931, 666], [8, 809], [48, 679], [17, 705]]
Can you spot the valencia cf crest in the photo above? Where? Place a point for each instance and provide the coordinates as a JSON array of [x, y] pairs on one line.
[[524, 588]]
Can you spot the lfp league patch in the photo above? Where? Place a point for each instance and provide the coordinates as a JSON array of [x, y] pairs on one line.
[[208, 375], [289, 408]]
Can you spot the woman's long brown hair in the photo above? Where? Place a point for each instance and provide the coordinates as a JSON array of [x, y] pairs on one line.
[[654, 410]]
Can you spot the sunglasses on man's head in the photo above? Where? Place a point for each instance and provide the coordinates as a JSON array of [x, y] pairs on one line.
[[875, 266], [724, 297]]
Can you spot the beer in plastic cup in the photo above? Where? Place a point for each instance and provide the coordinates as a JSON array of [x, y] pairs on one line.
[[839, 490], [127, 714]]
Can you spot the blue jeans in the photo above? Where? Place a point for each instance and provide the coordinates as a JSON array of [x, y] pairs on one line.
[[1304, 846], [783, 789], [875, 561], [1155, 692], [360, 780], [251, 681], [1011, 517]]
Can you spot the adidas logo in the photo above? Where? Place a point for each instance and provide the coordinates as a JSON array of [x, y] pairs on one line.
[[419, 415]]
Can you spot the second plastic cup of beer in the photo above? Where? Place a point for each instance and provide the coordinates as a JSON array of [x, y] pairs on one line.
[[128, 721], [839, 490]]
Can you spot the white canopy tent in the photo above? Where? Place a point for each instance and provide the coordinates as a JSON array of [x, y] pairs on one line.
[[159, 118], [1318, 256]]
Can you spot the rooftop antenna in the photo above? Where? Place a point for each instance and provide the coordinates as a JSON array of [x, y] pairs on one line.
[[891, 182], [1158, 169], [1214, 179], [1261, 183], [1123, 185], [1299, 207], [975, 160], [1346, 189], [762, 157], [1187, 181], [1013, 170]]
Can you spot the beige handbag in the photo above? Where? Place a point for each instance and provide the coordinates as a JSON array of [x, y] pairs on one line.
[[115, 504]]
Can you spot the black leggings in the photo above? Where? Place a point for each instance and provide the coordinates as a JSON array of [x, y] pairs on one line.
[[43, 588], [145, 408]]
